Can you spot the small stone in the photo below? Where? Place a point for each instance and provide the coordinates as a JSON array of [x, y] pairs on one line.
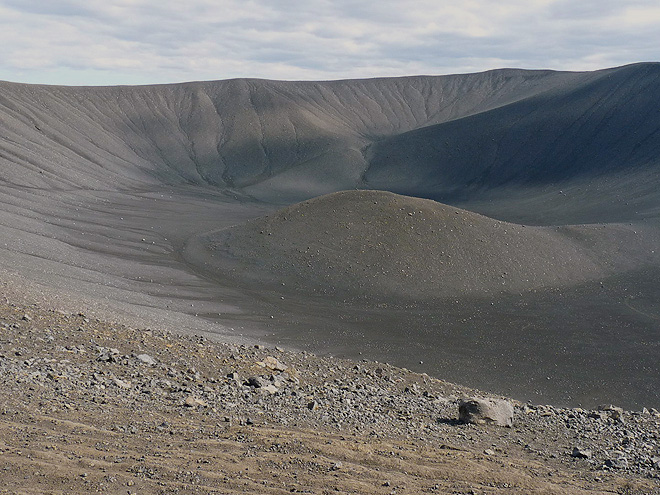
[[273, 364], [271, 389], [486, 411], [580, 453], [146, 359], [615, 412], [194, 402], [489, 452], [121, 383], [313, 405], [26, 317], [254, 381], [337, 466], [617, 463], [108, 355]]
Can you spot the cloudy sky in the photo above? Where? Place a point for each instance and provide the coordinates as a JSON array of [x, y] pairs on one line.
[[92, 42]]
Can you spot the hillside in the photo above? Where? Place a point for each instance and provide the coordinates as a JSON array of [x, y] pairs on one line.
[[425, 135], [376, 245]]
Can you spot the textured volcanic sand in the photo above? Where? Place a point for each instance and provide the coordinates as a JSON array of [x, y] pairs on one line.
[[381, 246], [438, 286], [101, 189]]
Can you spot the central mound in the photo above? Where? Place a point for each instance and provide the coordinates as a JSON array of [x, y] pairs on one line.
[[375, 244]]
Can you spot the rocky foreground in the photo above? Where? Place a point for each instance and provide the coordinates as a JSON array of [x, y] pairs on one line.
[[92, 406]]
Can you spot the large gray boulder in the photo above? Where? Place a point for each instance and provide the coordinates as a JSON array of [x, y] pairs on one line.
[[486, 411]]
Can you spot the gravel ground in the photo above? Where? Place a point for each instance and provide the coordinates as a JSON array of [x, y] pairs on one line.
[[93, 406]]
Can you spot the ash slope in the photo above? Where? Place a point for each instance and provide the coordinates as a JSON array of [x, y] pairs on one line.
[[373, 244], [101, 187], [441, 137], [600, 125], [235, 133]]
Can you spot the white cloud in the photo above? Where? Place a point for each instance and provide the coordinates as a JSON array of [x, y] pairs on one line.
[[138, 41], [648, 16]]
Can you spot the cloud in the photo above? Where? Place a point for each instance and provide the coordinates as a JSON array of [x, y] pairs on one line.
[[138, 41]]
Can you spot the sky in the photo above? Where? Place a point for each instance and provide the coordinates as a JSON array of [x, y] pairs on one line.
[[110, 42]]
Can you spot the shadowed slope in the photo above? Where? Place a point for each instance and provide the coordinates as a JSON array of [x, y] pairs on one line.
[[589, 130], [378, 244]]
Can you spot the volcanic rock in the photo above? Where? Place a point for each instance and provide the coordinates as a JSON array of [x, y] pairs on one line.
[[486, 411]]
